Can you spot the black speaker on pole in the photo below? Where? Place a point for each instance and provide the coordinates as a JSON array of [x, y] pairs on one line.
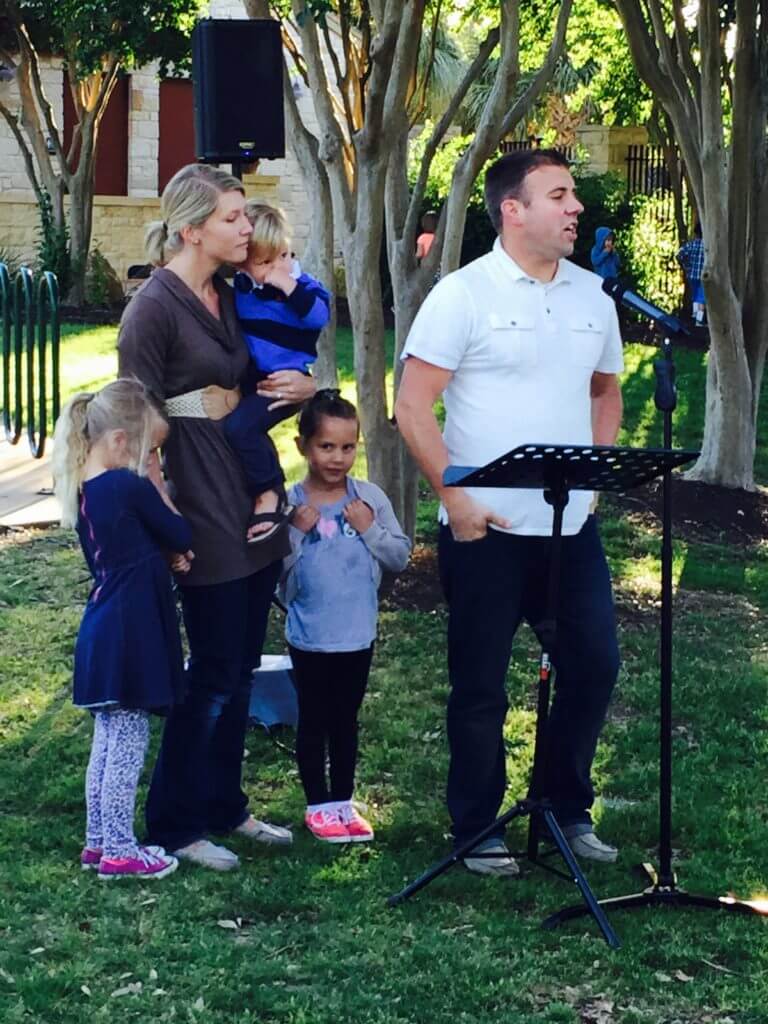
[[237, 74]]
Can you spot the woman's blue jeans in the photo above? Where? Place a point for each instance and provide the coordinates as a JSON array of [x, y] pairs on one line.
[[196, 785]]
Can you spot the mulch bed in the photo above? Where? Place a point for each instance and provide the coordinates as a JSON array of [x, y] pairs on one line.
[[701, 512]]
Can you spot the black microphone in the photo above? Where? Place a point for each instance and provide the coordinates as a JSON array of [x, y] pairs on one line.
[[620, 293]]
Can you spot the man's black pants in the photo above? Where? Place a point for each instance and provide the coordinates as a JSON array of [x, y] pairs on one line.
[[491, 585]]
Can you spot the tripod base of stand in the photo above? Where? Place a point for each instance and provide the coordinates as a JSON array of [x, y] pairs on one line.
[[662, 894], [539, 809]]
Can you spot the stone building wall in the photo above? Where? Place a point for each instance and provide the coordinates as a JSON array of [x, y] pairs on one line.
[[607, 146], [13, 174], [118, 223], [118, 220]]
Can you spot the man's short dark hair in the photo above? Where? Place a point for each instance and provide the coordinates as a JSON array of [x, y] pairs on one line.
[[505, 178]]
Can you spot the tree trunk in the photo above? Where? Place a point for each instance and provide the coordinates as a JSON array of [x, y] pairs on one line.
[[318, 260], [728, 445], [367, 316], [318, 255], [80, 225], [410, 295]]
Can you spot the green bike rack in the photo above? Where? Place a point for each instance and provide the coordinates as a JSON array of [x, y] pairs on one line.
[[29, 315]]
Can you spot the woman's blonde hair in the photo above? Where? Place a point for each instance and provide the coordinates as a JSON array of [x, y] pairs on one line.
[[188, 200], [270, 234], [125, 404]]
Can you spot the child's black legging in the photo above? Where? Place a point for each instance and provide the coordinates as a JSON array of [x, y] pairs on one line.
[[330, 688]]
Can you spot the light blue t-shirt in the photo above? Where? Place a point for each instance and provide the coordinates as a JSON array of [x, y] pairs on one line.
[[334, 604]]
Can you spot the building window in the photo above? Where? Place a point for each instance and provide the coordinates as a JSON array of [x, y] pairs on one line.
[[177, 128], [112, 146]]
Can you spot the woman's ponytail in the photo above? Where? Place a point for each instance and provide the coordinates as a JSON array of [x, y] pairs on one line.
[[155, 242], [70, 451]]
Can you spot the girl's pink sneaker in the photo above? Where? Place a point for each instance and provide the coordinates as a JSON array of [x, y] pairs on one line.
[[360, 831], [90, 858], [327, 826], [150, 862]]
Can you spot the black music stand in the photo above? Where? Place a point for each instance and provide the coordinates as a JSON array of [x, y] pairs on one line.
[[557, 469], [663, 890]]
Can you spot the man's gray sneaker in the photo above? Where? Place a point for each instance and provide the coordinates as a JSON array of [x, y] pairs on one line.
[[208, 855], [587, 846], [263, 832], [500, 863]]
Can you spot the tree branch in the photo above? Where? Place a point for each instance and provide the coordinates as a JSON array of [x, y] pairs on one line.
[[403, 69], [747, 157], [381, 60], [332, 141], [340, 80], [473, 71], [33, 65], [421, 104], [26, 153], [539, 81], [495, 122], [685, 58], [682, 109], [296, 55]]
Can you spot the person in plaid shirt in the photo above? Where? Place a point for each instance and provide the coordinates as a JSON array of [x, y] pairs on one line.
[[691, 259]]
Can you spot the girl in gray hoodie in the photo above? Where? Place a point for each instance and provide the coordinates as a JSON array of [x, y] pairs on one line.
[[343, 533]]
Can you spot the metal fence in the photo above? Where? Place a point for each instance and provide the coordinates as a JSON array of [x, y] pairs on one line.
[[29, 315], [649, 175], [514, 145]]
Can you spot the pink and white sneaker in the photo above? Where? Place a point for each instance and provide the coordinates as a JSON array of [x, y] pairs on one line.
[[150, 862], [360, 830], [327, 826], [90, 858]]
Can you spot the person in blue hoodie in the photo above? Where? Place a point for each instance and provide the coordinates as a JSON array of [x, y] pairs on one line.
[[281, 312], [605, 259]]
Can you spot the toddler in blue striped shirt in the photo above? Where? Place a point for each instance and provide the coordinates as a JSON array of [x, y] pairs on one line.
[[281, 312]]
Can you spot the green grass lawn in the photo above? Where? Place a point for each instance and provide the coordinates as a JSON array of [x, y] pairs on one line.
[[306, 937]]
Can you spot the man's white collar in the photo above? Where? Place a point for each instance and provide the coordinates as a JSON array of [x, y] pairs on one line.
[[516, 272]]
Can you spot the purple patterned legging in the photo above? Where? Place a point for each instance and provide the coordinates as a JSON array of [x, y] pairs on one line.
[[120, 739]]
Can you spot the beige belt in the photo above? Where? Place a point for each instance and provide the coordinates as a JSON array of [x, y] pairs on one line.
[[212, 403]]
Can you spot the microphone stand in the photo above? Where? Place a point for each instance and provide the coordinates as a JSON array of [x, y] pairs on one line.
[[663, 890]]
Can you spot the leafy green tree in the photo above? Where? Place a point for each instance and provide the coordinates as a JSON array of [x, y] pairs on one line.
[[706, 66], [96, 41]]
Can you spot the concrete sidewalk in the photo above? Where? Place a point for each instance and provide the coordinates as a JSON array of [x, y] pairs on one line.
[[25, 487]]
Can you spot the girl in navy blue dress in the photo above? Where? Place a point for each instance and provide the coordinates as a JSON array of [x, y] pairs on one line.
[[128, 658]]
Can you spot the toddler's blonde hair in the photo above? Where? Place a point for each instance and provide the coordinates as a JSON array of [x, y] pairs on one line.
[[270, 233], [125, 404]]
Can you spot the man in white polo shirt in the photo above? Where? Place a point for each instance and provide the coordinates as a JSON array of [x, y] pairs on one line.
[[524, 347]]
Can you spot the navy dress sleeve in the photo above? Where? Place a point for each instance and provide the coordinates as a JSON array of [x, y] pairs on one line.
[[169, 529]]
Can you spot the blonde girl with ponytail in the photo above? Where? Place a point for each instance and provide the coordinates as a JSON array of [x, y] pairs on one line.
[[128, 659]]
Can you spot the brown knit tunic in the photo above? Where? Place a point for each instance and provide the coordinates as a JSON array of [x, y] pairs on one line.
[[171, 342]]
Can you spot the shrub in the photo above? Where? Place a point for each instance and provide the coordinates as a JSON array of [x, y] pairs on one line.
[[650, 244], [102, 285], [53, 246]]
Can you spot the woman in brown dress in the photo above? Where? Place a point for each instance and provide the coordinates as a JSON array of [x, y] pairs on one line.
[[179, 335]]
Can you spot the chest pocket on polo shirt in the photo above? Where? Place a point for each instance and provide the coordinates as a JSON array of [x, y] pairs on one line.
[[512, 340], [585, 341]]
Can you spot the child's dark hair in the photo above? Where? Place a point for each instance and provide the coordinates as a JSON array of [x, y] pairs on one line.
[[326, 402], [429, 222]]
